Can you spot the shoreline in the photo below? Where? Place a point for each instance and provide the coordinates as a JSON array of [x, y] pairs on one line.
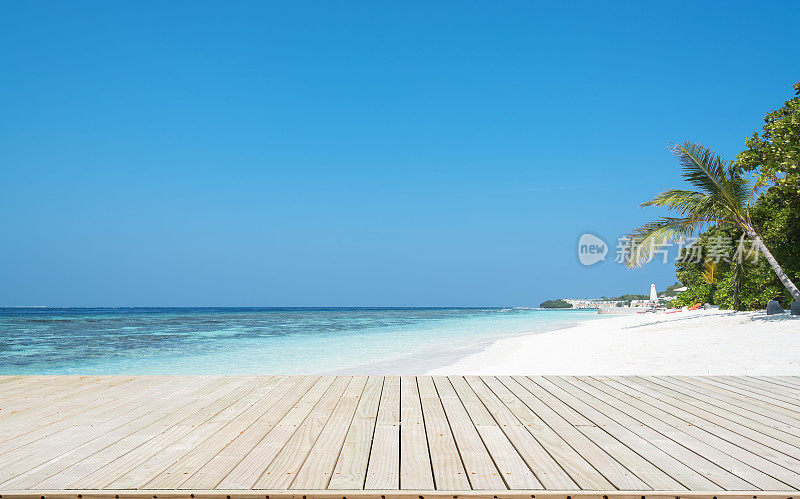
[[255, 341], [432, 360], [702, 342]]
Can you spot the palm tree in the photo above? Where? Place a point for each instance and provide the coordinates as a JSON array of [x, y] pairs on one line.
[[722, 196]]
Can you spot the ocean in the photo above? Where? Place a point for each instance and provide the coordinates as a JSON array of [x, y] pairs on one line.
[[257, 340]]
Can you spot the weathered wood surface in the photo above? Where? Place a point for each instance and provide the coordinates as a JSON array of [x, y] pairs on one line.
[[358, 436]]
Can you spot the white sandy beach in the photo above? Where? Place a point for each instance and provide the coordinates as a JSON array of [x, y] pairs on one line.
[[685, 343]]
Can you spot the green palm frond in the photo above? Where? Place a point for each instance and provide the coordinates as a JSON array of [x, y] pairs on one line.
[[708, 171], [677, 199], [663, 231], [689, 203], [701, 167], [721, 196], [740, 189]]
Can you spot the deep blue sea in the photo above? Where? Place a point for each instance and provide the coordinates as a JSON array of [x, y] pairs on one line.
[[255, 340]]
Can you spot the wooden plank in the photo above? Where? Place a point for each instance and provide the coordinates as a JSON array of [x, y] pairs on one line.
[[573, 462], [622, 453], [247, 471], [611, 469], [790, 400], [720, 429], [32, 463], [133, 397], [480, 468], [136, 468], [779, 380], [385, 494], [31, 390], [687, 468], [768, 383], [316, 471], [35, 380], [206, 465], [682, 431], [351, 467], [291, 437], [56, 393], [282, 471], [161, 427], [448, 471], [730, 419], [751, 397], [8, 378], [35, 424], [47, 453], [666, 437], [709, 395], [415, 461], [383, 468], [539, 461], [512, 467]]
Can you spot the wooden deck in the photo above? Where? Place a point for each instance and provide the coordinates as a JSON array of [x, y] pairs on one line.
[[417, 437]]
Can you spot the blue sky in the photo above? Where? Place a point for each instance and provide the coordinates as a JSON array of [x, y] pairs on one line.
[[358, 153]]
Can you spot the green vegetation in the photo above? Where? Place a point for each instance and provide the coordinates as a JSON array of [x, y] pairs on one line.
[[628, 298], [670, 291], [725, 206], [555, 304]]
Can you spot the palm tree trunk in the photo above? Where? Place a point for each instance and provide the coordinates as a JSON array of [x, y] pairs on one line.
[[774, 263]]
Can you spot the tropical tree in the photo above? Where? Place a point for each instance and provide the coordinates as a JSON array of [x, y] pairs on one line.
[[722, 197], [711, 276], [775, 154]]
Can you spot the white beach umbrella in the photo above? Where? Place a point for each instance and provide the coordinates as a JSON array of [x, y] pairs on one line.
[[653, 295]]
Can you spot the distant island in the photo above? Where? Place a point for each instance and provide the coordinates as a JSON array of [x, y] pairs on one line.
[[555, 304], [625, 300]]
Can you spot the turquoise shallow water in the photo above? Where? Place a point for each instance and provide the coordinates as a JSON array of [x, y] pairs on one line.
[[250, 340]]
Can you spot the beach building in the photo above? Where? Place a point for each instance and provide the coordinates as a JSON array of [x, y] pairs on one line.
[[589, 303]]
